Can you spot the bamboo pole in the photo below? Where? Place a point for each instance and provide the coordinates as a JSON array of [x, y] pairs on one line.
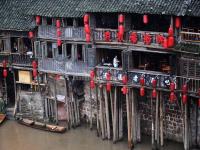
[[161, 120], [107, 113]]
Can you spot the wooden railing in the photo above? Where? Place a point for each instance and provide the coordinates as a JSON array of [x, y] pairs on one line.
[[99, 36], [190, 34], [78, 68], [21, 59], [116, 73], [69, 33]]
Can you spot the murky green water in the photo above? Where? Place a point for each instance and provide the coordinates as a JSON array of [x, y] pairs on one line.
[[14, 136]]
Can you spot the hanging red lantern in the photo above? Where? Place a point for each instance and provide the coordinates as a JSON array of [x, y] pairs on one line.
[[172, 86], [34, 64], [121, 18], [87, 36], [133, 37], [59, 42], [145, 19], [178, 22], [58, 32], [142, 91], [159, 39], [30, 34], [5, 73], [154, 83], [184, 99], [107, 36], [108, 76], [4, 64], [170, 41], [92, 84], [184, 89], [170, 31], [121, 29], [35, 73], [142, 81], [92, 74], [120, 37], [147, 39], [124, 90], [58, 23], [172, 97], [86, 19], [165, 43], [124, 79], [154, 93], [37, 20], [108, 86], [87, 29]]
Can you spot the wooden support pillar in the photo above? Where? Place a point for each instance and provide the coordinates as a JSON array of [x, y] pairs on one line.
[[153, 125], [115, 116], [186, 137], [55, 106], [91, 121], [157, 121], [161, 120], [101, 114], [97, 104]]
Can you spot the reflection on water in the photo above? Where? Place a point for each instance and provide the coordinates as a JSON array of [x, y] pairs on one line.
[[14, 136]]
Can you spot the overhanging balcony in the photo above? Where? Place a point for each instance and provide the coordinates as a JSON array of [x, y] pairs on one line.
[[21, 59], [190, 35]]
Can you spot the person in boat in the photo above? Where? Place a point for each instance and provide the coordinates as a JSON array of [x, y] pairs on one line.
[[115, 62]]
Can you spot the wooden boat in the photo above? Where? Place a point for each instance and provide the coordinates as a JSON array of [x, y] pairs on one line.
[[2, 118], [42, 126]]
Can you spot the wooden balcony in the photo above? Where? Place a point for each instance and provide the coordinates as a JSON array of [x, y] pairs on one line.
[[65, 67], [21, 59], [69, 33], [116, 73], [190, 35], [99, 37]]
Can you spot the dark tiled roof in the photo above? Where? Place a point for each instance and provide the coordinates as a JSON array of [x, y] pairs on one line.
[[55, 8], [12, 15], [168, 7], [194, 8]]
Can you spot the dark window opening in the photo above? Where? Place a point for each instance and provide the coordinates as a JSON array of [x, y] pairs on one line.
[[49, 50], [69, 22], [68, 51], [192, 24], [59, 50], [80, 52], [20, 45], [156, 23], [106, 20], [49, 21], [105, 57], [2, 48], [80, 22]]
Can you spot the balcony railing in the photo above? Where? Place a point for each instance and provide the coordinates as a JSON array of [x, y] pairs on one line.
[[69, 33], [190, 35], [21, 59], [99, 36], [116, 73], [68, 67]]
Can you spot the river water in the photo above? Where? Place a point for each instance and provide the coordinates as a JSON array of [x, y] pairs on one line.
[[14, 136]]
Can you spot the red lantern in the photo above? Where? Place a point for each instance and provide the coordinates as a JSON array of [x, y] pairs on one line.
[[30, 34], [159, 39], [178, 22], [147, 39], [133, 37], [108, 76], [165, 43], [120, 37], [5, 73], [108, 86], [87, 29], [87, 36], [34, 73], [38, 20], [121, 18], [86, 19], [4, 64], [170, 41], [142, 81], [145, 19], [172, 97], [184, 98], [172, 86], [154, 93], [170, 31], [58, 23], [142, 91], [107, 36], [124, 79], [92, 84], [34, 64], [184, 89], [124, 90], [58, 32], [92, 74], [59, 42], [121, 29], [154, 83]]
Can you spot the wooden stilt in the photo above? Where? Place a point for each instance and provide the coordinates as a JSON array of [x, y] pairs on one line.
[[101, 115], [115, 116], [186, 137], [156, 120], [153, 130], [133, 116], [97, 104], [161, 120]]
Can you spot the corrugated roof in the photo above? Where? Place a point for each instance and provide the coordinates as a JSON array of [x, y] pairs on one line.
[[55, 8], [12, 15]]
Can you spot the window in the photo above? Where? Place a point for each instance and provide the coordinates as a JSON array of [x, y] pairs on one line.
[[80, 22], [49, 50], [49, 21], [80, 56], [67, 50], [69, 22], [2, 46]]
